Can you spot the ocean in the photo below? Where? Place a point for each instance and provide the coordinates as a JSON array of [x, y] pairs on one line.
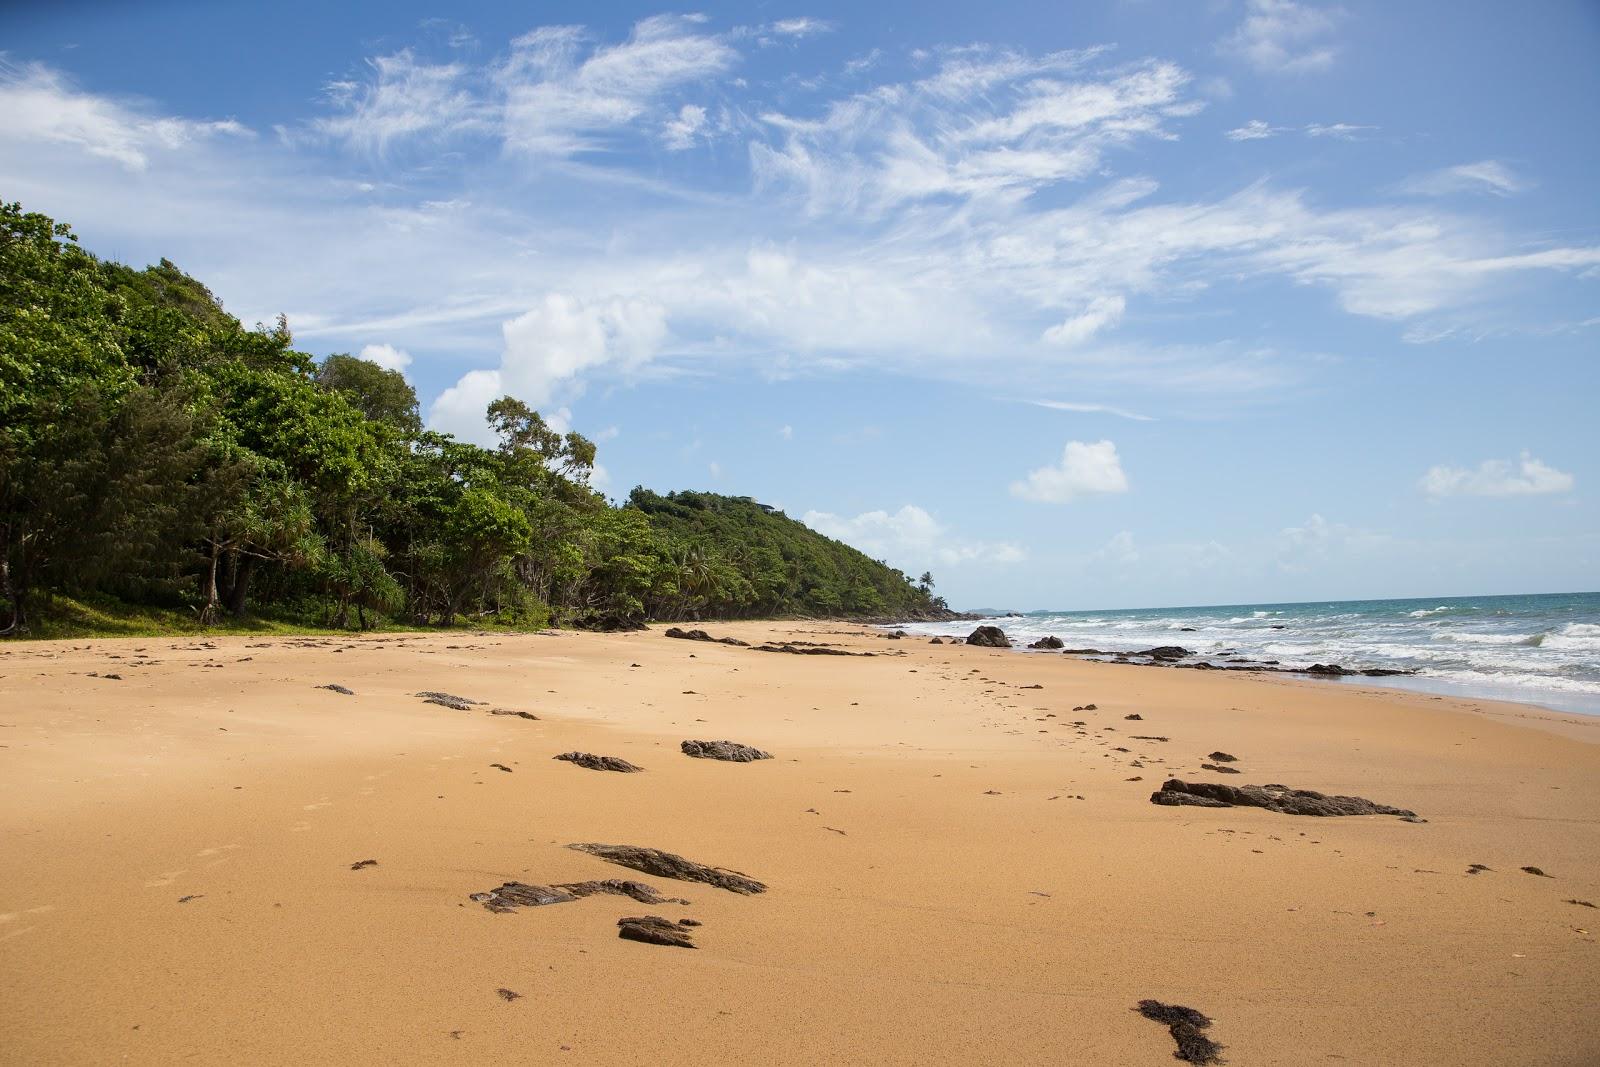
[[1534, 649]]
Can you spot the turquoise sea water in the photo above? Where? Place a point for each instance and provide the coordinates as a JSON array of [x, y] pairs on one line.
[[1538, 649]]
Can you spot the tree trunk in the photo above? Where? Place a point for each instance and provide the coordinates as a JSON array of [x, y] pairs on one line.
[[208, 614], [18, 622], [244, 565]]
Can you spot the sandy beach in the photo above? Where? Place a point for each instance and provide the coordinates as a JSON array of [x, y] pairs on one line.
[[956, 872]]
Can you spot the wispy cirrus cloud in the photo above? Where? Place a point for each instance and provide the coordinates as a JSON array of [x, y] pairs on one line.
[[1485, 176], [1284, 37], [1089, 409]]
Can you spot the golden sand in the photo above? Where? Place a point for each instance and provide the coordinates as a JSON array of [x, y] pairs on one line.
[[957, 873]]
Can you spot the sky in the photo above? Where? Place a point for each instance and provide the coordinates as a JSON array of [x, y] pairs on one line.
[[1138, 303]]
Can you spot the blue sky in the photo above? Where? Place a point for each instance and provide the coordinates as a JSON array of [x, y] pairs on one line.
[[1141, 303]]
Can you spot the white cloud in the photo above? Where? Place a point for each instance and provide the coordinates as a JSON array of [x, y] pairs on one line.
[[1343, 131], [1485, 176], [680, 133], [41, 106], [1254, 130], [799, 27], [460, 409], [387, 356], [1525, 476], [714, 468], [910, 538], [1284, 37], [559, 102], [1089, 409], [1103, 312], [406, 99], [1121, 549], [1084, 469], [786, 432]]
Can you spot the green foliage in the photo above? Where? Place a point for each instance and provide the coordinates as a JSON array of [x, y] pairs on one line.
[[161, 462]]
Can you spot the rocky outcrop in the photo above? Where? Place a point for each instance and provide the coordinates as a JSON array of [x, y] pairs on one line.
[[811, 650], [599, 763], [1165, 652], [448, 700], [989, 637], [667, 865], [654, 930], [701, 635], [1185, 1026], [1048, 643], [729, 751], [1279, 798], [513, 895]]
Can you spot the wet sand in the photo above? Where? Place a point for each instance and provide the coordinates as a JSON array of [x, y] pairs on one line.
[[177, 884]]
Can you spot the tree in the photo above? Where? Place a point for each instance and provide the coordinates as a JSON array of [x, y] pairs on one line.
[[381, 395]]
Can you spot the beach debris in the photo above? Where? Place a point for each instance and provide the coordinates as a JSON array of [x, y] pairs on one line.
[[1185, 1026], [599, 763], [1135, 717], [448, 700], [729, 751], [1474, 868], [1148, 737], [513, 895], [518, 714], [803, 649], [654, 930], [1048, 642], [989, 637], [701, 635], [363, 864], [508, 995], [191, 896], [1222, 757], [1580, 903], [1537, 871], [667, 865], [1273, 797], [501, 767], [1219, 768], [337, 688]]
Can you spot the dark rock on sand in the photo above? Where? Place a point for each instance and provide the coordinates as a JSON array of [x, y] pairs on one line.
[[1474, 868], [1135, 717], [1579, 903], [989, 637], [599, 763], [937, 641], [1223, 757], [360, 864], [1149, 737], [730, 751], [654, 930], [1185, 1026], [1537, 871], [501, 767], [666, 865], [513, 895], [1219, 768], [1280, 798], [1165, 652], [518, 714], [701, 635], [449, 700], [337, 688], [508, 995], [1048, 642], [811, 650]]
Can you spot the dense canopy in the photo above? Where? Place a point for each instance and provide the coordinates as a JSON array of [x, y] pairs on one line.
[[153, 450]]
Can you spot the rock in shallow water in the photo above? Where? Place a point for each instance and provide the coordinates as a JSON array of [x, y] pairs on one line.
[[989, 637], [667, 865], [1280, 798], [729, 751]]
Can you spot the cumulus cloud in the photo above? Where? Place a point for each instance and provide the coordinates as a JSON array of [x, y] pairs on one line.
[[1485, 176], [1525, 476], [41, 106], [1103, 312], [387, 356], [1085, 469], [1284, 37], [910, 538]]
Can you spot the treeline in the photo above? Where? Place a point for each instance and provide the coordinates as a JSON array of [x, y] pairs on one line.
[[155, 451]]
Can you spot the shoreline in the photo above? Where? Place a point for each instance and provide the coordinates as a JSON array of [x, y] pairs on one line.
[[937, 893]]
